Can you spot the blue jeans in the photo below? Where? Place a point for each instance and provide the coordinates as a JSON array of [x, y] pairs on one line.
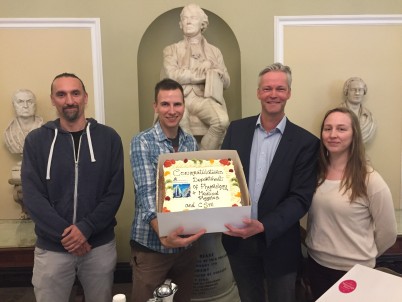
[[253, 281], [54, 274]]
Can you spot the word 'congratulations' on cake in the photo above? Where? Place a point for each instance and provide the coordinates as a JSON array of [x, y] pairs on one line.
[[191, 184]]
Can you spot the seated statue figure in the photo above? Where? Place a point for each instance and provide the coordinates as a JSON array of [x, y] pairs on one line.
[[354, 91], [24, 102], [199, 67]]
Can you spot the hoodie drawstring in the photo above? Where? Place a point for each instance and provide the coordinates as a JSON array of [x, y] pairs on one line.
[[91, 150], [49, 160]]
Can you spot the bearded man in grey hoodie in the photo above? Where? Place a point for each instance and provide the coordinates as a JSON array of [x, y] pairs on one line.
[[73, 183]]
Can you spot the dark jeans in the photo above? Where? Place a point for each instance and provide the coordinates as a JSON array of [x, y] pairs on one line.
[[321, 278], [250, 272]]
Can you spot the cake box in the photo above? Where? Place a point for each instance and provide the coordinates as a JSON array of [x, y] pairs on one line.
[[363, 283], [211, 219]]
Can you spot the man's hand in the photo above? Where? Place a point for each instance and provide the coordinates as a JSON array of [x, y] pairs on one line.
[[73, 240], [251, 228], [174, 240], [82, 250]]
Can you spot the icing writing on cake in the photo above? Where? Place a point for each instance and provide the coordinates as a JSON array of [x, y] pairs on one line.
[[191, 184]]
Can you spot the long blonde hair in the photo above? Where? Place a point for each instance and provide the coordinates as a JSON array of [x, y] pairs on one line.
[[356, 171]]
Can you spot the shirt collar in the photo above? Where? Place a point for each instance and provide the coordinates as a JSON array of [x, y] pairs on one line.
[[162, 136], [280, 127]]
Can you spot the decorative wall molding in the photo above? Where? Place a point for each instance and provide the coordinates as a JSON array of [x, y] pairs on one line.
[[93, 24], [283, 22], [325, 20]]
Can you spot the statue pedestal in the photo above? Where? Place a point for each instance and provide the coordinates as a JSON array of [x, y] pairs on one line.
[[213, 279], [16, 171], [17, 233], [17, 195]]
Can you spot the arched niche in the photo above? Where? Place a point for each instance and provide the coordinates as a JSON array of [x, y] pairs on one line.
[[164, 31]]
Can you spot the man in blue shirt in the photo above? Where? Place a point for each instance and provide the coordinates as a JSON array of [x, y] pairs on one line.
[[156, 258], [279, 160]]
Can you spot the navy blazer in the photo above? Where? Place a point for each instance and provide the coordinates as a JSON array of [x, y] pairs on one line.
[[287, 192]]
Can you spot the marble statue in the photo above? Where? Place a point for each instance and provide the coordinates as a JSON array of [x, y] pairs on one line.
[[199, 67], [24, 102], [354, 91]]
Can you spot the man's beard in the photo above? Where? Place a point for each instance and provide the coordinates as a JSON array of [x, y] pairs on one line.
[[71, 116]]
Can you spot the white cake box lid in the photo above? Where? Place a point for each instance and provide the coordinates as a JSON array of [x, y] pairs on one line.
[[212, 219], [362, 283]]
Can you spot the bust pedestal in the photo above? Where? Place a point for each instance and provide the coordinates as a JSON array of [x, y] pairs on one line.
[[17, 195], [213, 280]]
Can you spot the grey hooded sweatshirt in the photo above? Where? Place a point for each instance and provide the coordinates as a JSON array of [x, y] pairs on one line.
[[61, 189]]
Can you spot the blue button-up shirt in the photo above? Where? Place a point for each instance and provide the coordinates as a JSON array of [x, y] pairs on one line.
[[144, 153], [262, 153]]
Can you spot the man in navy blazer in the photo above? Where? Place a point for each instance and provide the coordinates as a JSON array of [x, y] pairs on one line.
[[279, 160]]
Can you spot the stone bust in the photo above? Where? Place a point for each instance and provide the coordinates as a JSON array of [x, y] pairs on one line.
[[199, 67], [354, 91], [24, 102]]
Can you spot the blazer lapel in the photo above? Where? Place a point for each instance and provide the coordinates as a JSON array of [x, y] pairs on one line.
[[245, 152]]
